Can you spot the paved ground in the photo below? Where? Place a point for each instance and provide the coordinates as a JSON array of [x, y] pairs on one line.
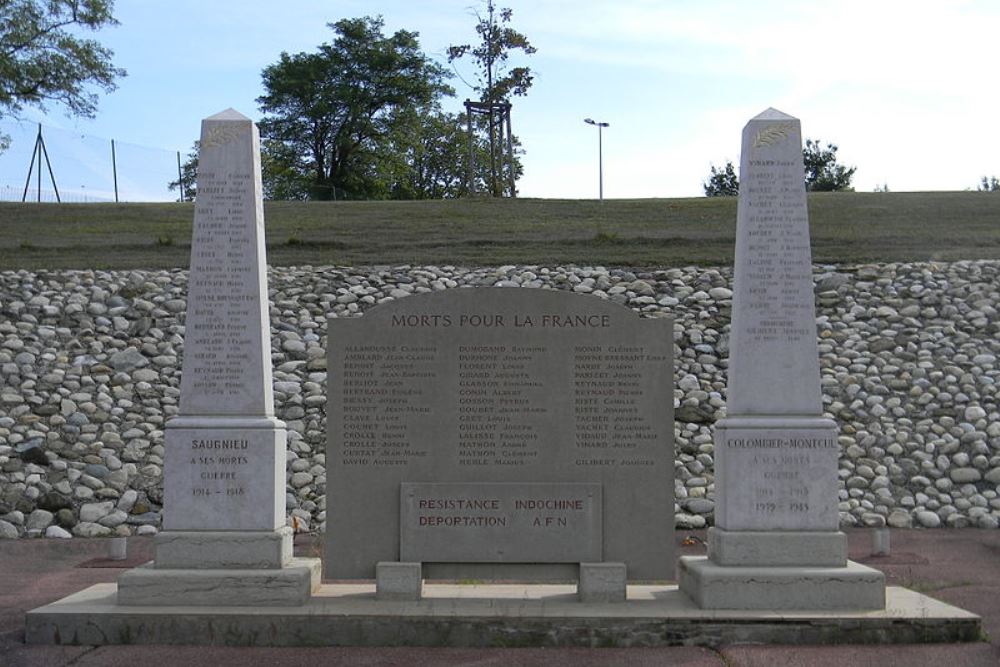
[[961, 567]]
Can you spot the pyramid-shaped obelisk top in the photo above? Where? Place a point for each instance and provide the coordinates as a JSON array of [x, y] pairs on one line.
[[769, 114], [228, 114]]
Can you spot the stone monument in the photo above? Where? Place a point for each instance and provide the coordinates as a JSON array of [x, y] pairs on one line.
[[498, 434], [776, 543], [507, 434], [224, 540]]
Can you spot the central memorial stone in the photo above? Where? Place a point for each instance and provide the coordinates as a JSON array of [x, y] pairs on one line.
[[500, 434]]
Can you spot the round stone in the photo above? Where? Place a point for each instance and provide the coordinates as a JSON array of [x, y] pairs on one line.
[[57, 532], [928, 519], [965, 475], [974, 413], [92, 512], [8, 531], [700, 505]]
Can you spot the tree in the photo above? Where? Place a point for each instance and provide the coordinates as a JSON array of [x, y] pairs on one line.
[[495, 83], [189, 176], [722, 182], [282, 178], [431, 159], [990, 184], [328, 114], [823, 174], [423, 162], [43, 61]]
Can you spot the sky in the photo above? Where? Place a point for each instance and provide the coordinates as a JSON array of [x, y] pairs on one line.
[[904, 87]]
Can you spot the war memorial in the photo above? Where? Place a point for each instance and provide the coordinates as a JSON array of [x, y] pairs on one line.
[[500, 463]]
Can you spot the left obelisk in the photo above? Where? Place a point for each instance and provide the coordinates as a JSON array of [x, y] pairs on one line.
[[225, 541]]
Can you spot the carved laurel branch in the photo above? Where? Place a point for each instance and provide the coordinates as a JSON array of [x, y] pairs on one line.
[[772, 134], [220, 135]]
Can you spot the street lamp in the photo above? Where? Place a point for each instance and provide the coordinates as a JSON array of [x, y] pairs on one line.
[[600, 157]]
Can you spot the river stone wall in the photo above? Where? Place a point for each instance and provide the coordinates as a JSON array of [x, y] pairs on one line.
[[90, 370]]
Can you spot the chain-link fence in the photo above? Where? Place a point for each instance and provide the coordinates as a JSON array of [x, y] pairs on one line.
[[49, 164]]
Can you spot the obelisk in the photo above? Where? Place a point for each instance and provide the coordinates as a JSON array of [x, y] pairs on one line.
[[225, 541], [776, 543]]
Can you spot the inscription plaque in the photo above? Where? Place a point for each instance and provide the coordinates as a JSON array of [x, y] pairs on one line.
[[500, 522], [781, 478], [481, 386]]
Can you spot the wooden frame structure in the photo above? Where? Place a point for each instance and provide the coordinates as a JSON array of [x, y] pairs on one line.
[[499, 155]]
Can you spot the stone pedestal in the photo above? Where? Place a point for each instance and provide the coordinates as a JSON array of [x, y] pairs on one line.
[[288, 586], [602, 582], [775, 548], [255, 550], [776, 543], [222, 568], [398, 581], [784, 588]]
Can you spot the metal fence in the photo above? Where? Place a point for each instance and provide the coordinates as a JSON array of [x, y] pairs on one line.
[[48, 164]]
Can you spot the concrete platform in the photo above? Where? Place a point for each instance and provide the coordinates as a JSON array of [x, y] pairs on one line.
[[493, 615]]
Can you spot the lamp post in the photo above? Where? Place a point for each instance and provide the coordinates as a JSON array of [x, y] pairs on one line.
[[600, 156]]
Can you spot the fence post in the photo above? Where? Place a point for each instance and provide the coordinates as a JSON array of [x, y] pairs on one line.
[[114, 169], [180, 176]]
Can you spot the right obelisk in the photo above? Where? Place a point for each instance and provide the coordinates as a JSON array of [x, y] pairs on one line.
[[776, 543]]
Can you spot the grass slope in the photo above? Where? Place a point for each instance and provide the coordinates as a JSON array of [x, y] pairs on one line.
[[846, 227]]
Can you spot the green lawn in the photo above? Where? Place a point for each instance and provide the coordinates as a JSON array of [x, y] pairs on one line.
[[846, 227]]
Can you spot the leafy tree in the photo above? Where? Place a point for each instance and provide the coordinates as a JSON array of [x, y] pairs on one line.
[[428, 158], [328, 114], [424, 162], [432, 159], [823, 174], [43, 61], [882, 188], [989, 184], [495, 82], [189, 175], [722, 182], [282, 178]]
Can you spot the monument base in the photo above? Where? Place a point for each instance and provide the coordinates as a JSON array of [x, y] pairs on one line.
[[398, 581], [489, 616], [775, 548], [714, 586], [206, 550], [597, 582], [288, 586], [602, 582]]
